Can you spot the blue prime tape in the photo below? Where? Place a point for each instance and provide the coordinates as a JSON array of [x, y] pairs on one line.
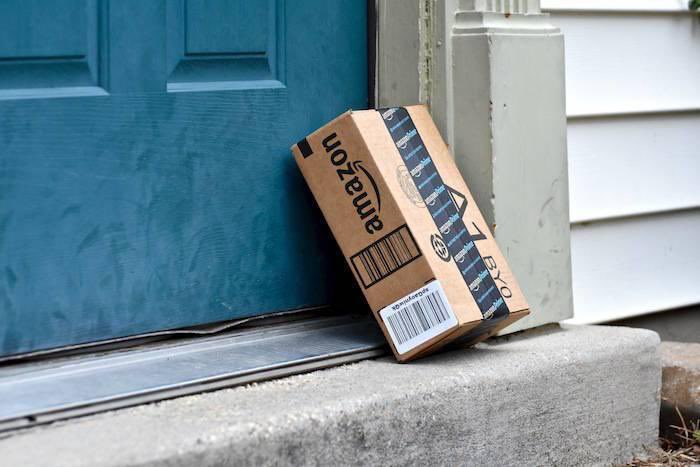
[[440, 202]]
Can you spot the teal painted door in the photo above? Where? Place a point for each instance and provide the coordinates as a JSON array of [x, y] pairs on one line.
[[145, 175]]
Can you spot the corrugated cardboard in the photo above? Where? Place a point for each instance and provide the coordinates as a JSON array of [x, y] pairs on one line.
[[410, 230]]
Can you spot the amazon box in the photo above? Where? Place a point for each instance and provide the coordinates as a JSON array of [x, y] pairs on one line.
[[410, 230]]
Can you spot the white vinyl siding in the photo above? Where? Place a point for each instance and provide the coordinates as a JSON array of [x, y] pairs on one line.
[[633, 165], [633, 104], [631, 266]]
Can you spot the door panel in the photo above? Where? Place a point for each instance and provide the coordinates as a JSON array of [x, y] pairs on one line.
[[48, 44], [219, 27], [172, 199], [217, 44]]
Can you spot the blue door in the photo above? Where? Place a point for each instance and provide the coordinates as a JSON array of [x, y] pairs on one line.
[[145, 175]]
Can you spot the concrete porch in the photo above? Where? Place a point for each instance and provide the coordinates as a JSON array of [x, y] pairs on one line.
[[584, 395]]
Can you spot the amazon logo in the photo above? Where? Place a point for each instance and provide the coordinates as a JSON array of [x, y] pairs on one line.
[[358, 183]]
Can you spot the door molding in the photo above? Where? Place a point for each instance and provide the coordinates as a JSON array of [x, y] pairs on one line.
[[492, 74]]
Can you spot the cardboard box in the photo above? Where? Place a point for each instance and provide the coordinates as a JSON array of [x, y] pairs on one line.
[[410, 230]]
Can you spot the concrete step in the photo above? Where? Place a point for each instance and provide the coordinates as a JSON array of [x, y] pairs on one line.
[[680, 391], [578, 396]]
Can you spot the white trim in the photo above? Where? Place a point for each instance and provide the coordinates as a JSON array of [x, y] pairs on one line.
[[514, 161], [638, 109], [615, 316], [621, 6], [512, 17], [485, 75], [524, 7], [632, 214], [479, 23]]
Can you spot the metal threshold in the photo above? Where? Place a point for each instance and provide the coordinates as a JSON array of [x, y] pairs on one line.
[[33, 393]]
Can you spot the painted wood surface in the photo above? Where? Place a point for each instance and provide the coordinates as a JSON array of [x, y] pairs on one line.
[[629, 267], [630, 62], [145, 175], [648, 6], [509, 142], [633, 165], [634, 114]]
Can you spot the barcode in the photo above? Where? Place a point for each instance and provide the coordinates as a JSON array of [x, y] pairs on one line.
[[385, 256], [418, 317]]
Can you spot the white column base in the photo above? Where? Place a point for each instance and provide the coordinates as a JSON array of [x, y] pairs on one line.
[[509, 140]]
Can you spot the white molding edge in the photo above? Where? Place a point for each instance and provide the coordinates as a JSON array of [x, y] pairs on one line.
[[633, 214], [509, 141], [511, 16], [522, 7], [483, 66], [631, 314], [616, 6], [640, 110]]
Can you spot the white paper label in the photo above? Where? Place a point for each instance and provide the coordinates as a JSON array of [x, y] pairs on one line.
[[418, 317]]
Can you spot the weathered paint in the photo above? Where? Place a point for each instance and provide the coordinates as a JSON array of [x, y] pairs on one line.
[[510, 143], [496, 91]]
